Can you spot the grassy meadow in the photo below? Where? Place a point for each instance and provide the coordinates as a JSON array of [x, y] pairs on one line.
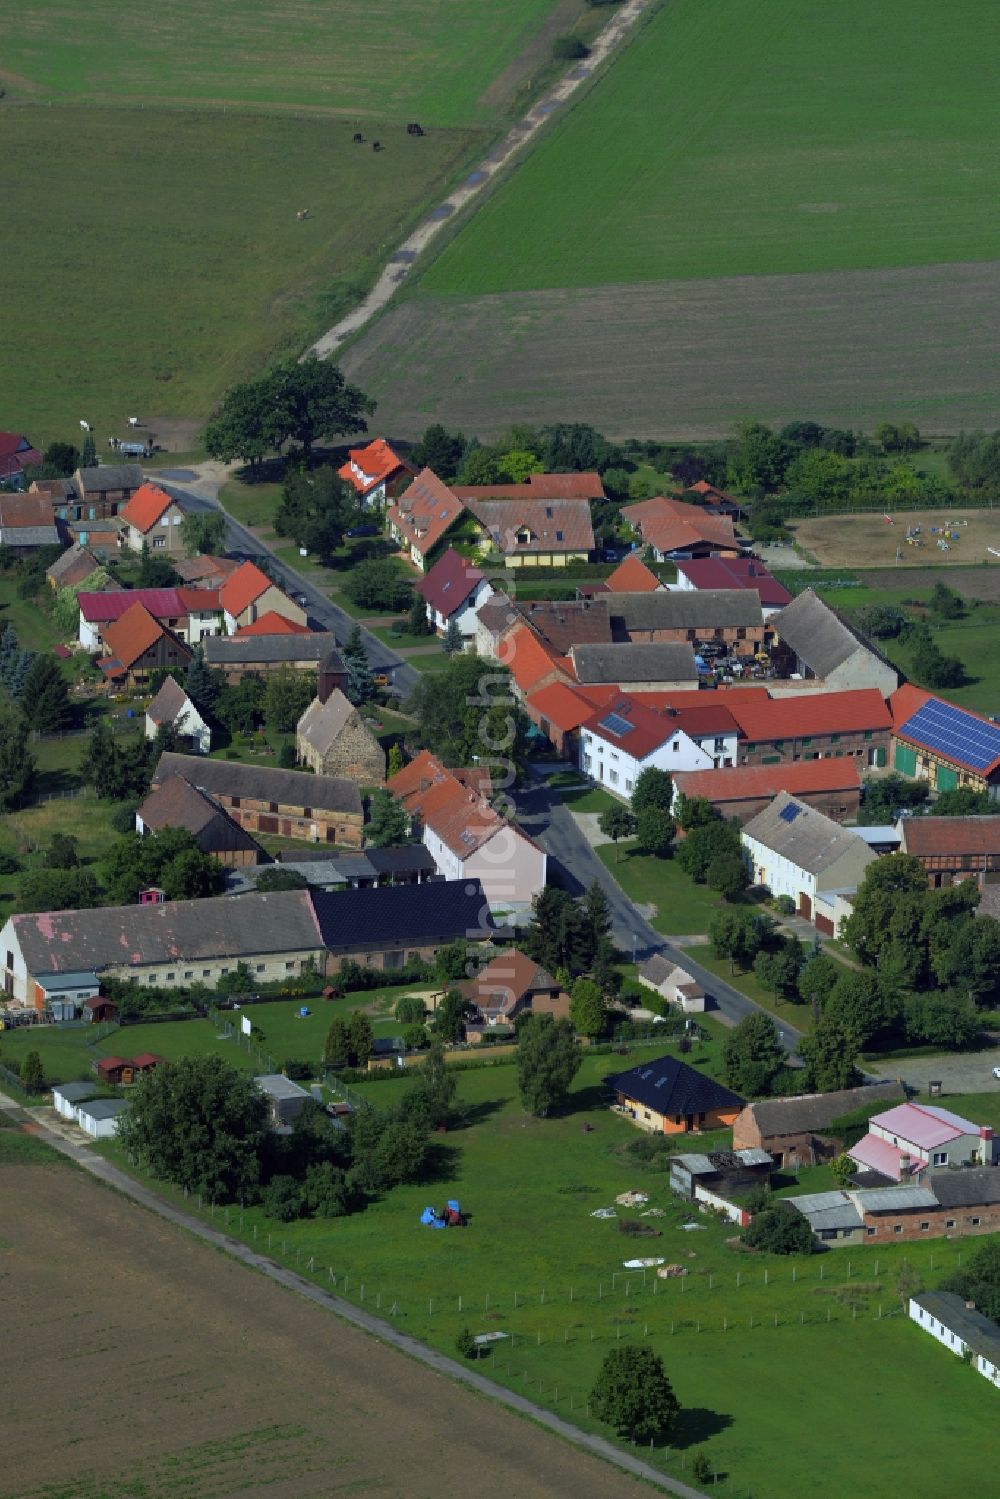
[[752, 139], [391, 60], [166, 260], [743, 1337]]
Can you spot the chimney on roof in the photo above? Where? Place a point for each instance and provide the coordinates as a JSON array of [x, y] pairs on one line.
[[905, 1164]]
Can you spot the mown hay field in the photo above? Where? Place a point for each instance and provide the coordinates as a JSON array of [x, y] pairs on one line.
[[150, 1364], [383, 59], [738, 139]]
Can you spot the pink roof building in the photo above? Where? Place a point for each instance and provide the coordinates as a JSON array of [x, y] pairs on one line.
[[905, 1140]]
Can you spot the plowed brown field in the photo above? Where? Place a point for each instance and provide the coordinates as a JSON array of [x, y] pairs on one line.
[[688, 359], [139, 1362]]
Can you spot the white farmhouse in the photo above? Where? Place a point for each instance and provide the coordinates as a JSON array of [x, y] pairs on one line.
[[626, 737], [796, 851]]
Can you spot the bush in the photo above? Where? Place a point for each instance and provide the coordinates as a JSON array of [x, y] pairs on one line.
[[784, 905], [701, 1467], [415, 1037], [780, 1230], [295, 1070], [466, 1345], [410, 1010], [569, 49]]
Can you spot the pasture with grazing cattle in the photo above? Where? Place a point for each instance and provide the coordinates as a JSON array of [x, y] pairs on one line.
[[167, 158]]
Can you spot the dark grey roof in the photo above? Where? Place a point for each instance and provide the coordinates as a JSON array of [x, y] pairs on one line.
[[819, 636], [178, 931], [684, 609], [110, 476], [399, 914], [104, 1108], [405, 859], [75, 1092], [225, 650], [672, 1087], [69, 559], [814, 1111], [968, 1187], [290, 788], [177, 804], [29, 536], [976, 1331], [667, 661]]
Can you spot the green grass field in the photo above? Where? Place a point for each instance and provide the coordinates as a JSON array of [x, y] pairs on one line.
[[166, 260], [749, 1349], [387, 59], [682, 907], [740, 139]]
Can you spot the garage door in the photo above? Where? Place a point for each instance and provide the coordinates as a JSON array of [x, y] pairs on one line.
[[805, 905], [905, 760], [945, 779]]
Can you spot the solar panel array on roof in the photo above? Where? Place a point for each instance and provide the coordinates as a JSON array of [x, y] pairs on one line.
[[789, 813], [615, 724], [940, 726]]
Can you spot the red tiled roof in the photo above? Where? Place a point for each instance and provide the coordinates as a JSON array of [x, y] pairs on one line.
[[162, 603], [652, 727], [941, 836], [561, 706], [460, 817], [147, 1059], [554, 525], [736, 572], [16, 454], [25, 510], [670, 525], [505, 981], [146, 507], [449, 582], [586, 486], [905, 701], [272, 623], [424, 511], [741, 782], [242, 587], [810, 713], [199, 600], [632, 576], [528, 659], [378, 462], [130, 636]]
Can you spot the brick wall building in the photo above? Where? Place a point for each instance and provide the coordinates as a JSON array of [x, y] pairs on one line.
[[287, 803]]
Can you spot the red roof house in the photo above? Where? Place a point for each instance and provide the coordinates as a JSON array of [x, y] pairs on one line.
[[454, 589], [154, 517], [248, 594], [735, 572], [674, 529], [375, 472], [942, 743], [422, 515], [832, 786], [136, 645], [585, 486], [16, 454], [272, 623], [633, 576]]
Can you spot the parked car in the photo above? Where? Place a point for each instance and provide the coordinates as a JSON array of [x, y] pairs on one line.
[[362, 531], [996, 1072]]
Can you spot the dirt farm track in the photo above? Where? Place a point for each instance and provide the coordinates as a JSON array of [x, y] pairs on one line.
[[143, 1363], [869, 541]]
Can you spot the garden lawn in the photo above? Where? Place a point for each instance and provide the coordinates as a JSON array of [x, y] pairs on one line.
[[682, 907], [976, 643], [740, 1338], [35, 629], [799, 1015], [589, 799], [251, 504], [818, 116]]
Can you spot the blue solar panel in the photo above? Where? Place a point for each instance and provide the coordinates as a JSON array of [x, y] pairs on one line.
[[789, 813], [615, 724], [945, 729]]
